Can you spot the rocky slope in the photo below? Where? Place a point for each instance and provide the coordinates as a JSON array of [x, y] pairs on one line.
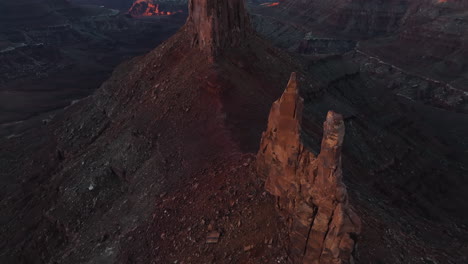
[[158, 123]]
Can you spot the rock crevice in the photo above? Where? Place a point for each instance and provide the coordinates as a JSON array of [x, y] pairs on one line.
[[309, 189]]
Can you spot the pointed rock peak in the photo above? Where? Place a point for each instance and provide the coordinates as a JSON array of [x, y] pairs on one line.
[[292, 84], [281, 140], [218, 24], [290, 104], [310, 193], [333, 130]]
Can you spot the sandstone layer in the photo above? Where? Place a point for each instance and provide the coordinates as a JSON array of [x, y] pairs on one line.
[[323, 227], [218, 24]]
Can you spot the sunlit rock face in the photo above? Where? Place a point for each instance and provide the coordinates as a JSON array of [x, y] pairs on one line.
[[281, 142], [219, 24], [146, 8], [323, 227]]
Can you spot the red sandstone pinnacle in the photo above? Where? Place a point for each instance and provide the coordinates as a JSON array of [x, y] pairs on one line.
[[281, 141], [310, 193], [218, 23]]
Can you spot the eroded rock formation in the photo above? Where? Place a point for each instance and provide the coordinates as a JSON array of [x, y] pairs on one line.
[[218, 24], [174, 114], [310, 193]]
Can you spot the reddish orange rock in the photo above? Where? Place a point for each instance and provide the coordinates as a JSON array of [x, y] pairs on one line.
[[310, 193], [219, 24]]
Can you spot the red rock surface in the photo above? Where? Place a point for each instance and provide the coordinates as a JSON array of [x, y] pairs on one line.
[[218, 24], [146, 8], [323, 227]]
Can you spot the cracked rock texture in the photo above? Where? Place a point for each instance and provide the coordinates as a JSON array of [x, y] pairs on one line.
[[323, 227], [219, 24]]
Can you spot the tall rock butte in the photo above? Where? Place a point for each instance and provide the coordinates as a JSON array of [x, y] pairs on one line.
[[323, 227], [218, 24]]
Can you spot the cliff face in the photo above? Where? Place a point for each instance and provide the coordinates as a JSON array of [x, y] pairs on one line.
[[355, 18], [309, 189], [434, 44], [218, 24]]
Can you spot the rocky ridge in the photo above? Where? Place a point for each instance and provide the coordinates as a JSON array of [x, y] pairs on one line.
[[158, 122]]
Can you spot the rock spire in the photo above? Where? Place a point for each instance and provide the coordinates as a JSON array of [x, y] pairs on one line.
[[323, 227], [218, 23]]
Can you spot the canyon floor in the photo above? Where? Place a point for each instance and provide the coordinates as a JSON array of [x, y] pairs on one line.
[[69, 61]]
